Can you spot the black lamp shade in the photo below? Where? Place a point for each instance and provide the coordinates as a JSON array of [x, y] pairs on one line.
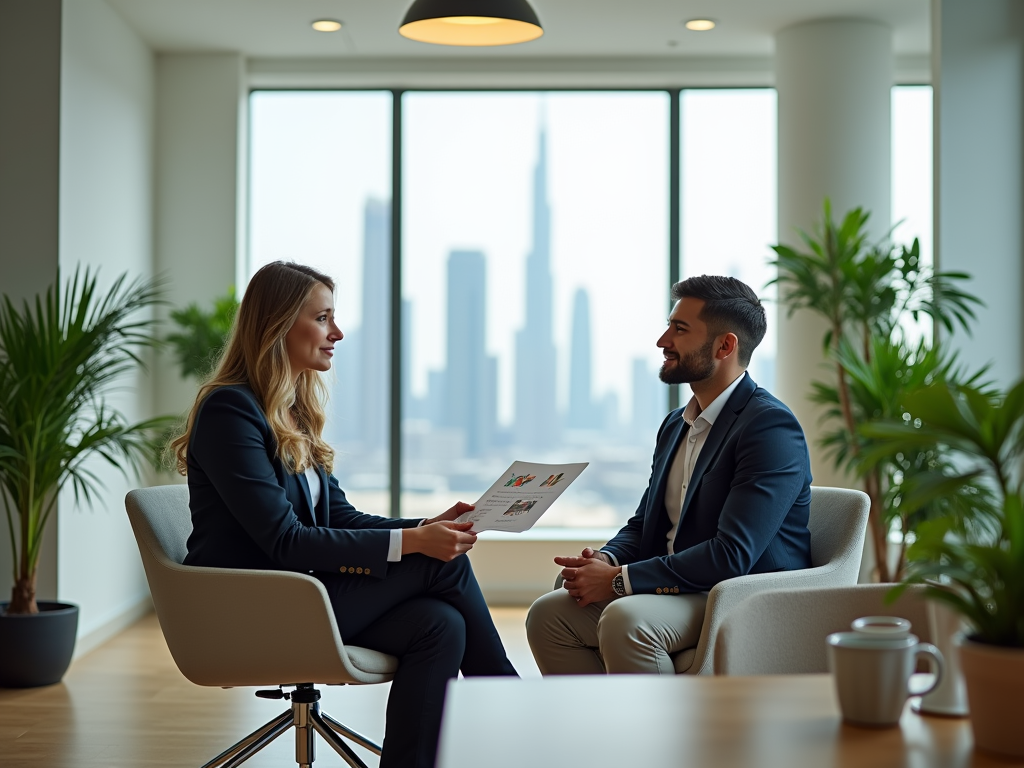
[[471, 22]]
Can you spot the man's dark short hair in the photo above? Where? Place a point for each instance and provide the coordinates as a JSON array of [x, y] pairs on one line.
[[730, 306]]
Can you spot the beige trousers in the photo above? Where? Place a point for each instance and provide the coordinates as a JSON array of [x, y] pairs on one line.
[[632, 634]]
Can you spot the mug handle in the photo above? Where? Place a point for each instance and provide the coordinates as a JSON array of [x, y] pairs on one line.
[[937, 664]]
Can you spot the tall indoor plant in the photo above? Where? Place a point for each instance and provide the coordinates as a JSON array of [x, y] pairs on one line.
[[974, 562], [59, 356], [867, 293]]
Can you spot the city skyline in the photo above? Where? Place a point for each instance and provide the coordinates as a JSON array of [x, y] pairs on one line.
[[452, 437], [453, 440], [461, 401]]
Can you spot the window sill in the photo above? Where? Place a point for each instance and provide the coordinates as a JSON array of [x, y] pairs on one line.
[[539, 533]]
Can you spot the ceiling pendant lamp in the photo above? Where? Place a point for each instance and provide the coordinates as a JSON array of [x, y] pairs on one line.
[[471, 22]]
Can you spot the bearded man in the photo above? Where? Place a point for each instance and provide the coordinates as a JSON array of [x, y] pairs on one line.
[[729, 495]]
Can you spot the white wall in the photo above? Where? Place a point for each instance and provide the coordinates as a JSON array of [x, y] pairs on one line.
[[978, 74], [106, 203]]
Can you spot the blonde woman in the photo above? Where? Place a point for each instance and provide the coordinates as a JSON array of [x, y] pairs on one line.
[[262, 496]]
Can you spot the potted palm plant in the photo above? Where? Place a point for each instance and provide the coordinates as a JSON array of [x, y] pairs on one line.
[[975, 562], [59, 355], [867, 293]]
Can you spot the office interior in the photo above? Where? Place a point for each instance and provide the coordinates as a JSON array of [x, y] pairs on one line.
[[124, 130]]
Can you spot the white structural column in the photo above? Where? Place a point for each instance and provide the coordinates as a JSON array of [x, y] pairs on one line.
[[834, 79], [978, 75]]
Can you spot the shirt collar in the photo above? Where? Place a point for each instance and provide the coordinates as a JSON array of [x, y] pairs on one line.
[[692, 411]]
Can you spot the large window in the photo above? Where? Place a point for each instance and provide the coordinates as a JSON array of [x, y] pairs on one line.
[[535, 244], [535, 249]]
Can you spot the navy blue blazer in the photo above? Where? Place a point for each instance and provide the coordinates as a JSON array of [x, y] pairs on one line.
[[745, 509], [248, 511]]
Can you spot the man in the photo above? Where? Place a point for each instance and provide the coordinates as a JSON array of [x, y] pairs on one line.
[[729, 495]]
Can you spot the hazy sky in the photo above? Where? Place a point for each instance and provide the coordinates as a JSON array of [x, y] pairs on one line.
[[316, 156]]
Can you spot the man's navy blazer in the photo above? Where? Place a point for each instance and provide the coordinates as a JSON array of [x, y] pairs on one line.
[[248, 511], [746, 505]]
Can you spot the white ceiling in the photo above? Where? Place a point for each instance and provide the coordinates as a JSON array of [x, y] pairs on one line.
[[573, 28]]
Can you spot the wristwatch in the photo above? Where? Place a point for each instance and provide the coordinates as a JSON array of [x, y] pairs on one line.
[[618, 585]]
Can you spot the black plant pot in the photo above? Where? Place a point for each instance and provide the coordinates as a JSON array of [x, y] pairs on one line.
[[36, 649]]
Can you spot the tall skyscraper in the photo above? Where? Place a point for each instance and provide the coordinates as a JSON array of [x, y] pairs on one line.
[[536, 408], [375, 330], [582, 411], [470, 398]]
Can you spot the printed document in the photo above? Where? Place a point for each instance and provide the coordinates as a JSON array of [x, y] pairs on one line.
[[517, 500]]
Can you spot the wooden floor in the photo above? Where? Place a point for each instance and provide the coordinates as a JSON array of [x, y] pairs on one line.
[[126, 704]]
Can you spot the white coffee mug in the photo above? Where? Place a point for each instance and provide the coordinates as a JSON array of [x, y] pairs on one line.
[[872, 673]]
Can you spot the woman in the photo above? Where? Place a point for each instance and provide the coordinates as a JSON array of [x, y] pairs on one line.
[[262, 496]]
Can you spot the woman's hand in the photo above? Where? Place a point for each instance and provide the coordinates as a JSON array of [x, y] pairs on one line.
[[442, 540], [451, 513]]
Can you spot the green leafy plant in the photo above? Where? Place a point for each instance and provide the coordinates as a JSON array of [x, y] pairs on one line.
[[59, 355], [867, 292], [202, 334], [879, 385], [974, 562]]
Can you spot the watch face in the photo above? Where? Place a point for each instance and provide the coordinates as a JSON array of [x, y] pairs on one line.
[[618, 585]]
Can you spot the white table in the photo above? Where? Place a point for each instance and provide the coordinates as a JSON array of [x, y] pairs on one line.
[[641, 721]]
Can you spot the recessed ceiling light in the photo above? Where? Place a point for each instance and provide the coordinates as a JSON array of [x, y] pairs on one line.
[[326, 25], [700, 25]]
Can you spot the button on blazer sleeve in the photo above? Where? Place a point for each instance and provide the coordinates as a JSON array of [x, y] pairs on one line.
[[771, 470], [233, 444]]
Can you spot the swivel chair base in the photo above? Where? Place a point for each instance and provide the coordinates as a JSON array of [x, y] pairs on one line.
[[306, 717]]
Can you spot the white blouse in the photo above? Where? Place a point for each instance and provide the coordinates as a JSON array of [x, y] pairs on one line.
[[313, 478]]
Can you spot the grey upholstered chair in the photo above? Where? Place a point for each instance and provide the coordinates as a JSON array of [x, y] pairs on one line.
[[783, 632], [230, 627], [838, 520]]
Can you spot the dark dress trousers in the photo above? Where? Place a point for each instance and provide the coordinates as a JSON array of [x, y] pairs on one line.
[[249, 511], [746, 505]]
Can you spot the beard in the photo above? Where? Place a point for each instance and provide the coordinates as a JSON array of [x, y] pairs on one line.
[[693, 366]]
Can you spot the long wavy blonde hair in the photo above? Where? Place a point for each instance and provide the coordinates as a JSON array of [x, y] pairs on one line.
[[256, 355]]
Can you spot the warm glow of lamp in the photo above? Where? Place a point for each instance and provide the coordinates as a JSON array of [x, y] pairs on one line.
[[326, 25], [471, 22], [700, 25]]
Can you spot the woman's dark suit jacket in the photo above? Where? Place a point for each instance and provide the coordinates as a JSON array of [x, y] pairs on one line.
[[248, 511]]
